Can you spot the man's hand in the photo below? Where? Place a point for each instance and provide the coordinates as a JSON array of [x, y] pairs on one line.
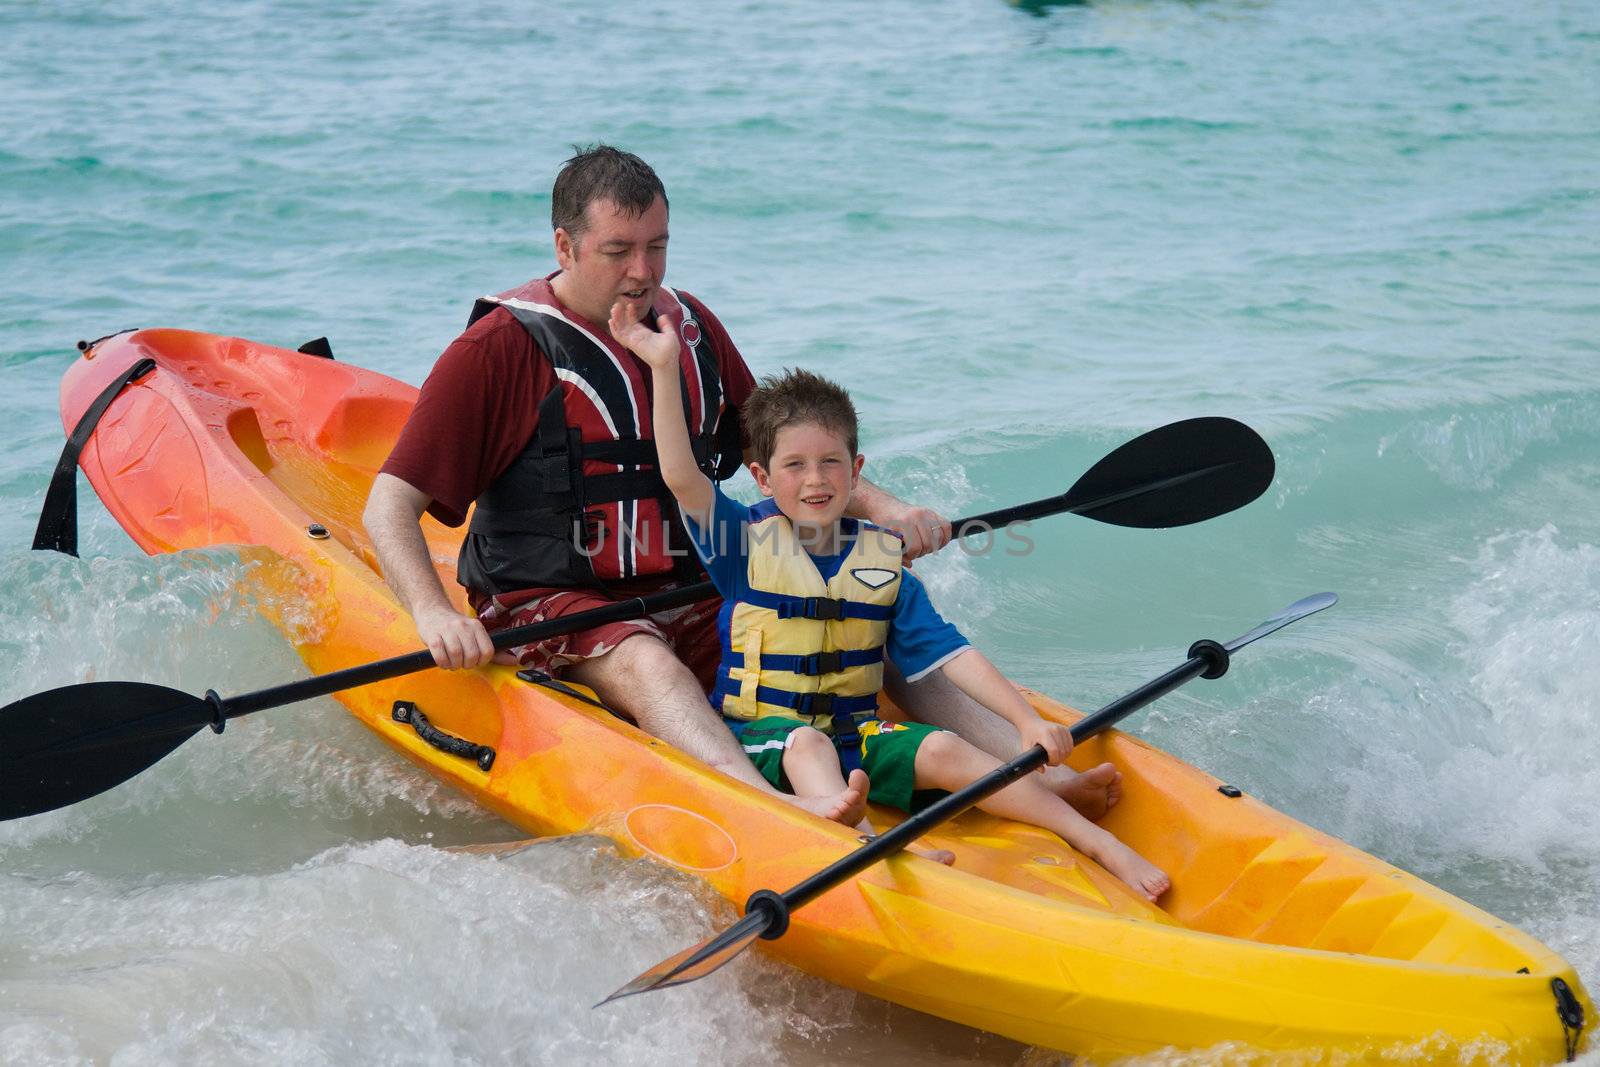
[[659, 350], [456, 640], [1055, 739], [924, 529]]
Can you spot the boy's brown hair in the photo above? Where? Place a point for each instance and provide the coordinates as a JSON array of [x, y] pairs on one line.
[[793, 397]]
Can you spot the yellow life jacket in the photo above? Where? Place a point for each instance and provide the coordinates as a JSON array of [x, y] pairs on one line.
[[805, 648]]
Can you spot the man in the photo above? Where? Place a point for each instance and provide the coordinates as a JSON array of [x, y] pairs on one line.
[[540, 417]]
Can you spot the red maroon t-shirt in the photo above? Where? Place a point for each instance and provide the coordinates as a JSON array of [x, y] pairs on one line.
[[480, 406]]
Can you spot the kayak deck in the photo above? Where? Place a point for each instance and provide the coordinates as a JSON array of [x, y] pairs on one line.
[[1273, 934]]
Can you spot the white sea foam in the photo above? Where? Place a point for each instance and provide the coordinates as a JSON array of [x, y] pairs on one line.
[[186, 622], [1487, 781], [379, 952]]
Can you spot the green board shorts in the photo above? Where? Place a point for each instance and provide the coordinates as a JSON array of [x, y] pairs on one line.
[[887, 752]]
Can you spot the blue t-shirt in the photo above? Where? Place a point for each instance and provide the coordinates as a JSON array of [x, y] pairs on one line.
[[920, 641]]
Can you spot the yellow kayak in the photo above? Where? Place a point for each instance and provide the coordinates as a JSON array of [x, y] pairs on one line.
[[1275, 936]]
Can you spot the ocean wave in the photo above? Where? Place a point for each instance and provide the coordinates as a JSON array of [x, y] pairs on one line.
[[1475, 447]]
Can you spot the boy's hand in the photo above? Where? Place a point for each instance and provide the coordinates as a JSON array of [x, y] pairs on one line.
[[659, 350], [1055, 739]]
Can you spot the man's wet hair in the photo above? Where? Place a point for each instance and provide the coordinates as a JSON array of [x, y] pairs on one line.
[[791, 398], [601, 172]]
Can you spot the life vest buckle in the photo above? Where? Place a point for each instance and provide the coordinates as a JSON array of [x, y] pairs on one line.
[[587, 527], [824, 608], [821, 663], [847, 729], [817, 704]]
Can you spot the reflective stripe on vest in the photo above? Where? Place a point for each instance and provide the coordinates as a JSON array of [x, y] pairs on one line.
[[802, 647]]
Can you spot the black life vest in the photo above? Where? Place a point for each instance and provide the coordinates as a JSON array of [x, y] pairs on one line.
[[583, 504]]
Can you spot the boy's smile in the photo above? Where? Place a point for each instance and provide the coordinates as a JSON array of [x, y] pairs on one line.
[[811, 476]]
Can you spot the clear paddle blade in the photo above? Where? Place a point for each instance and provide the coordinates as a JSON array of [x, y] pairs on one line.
[[1293, 613]]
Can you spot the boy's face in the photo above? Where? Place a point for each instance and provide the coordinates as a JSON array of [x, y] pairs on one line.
[[811, 475]]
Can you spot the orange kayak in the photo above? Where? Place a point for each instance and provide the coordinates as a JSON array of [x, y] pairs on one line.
[[1275, 936]]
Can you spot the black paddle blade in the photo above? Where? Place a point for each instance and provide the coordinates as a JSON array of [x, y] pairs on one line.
[[697, 961], [1177, 474], [72, 743]]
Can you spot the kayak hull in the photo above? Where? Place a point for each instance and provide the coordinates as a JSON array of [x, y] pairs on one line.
[[1274, 937]]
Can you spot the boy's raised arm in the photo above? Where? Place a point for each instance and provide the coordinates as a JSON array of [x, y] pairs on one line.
[[659, 350]]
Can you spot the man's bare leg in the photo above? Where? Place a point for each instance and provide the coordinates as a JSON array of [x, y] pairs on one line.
[[936, 701], [643, 678]]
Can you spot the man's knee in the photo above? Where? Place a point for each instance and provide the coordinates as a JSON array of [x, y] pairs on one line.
[[638, 659]]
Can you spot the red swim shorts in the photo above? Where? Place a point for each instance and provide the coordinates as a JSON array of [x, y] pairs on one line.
[[691, 632]]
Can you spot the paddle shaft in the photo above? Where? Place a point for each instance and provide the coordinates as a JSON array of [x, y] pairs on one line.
[[411, 662], [947, 808], [621, 611]]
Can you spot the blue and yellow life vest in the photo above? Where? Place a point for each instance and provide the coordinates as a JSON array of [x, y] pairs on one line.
[[802, 647]]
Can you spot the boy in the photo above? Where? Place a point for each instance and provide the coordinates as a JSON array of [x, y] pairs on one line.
[[813, 603]]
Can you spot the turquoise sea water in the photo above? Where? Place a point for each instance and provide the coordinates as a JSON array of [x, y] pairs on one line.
[[1020, 234]]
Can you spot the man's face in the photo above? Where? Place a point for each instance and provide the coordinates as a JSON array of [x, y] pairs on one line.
[[617, 257]]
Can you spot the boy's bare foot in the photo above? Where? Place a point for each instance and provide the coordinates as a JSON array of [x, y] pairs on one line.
[[848, 806], [1142, 875], [1092, 793]]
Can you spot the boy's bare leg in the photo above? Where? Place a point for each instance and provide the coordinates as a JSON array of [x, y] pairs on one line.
[[936, 701], [945, 761], [642, 678], [812, 765]]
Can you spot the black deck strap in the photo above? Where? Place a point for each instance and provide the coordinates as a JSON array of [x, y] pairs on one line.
[[317, 346], [58, 519], [406, 711], [1570, 1011], [538, 677]]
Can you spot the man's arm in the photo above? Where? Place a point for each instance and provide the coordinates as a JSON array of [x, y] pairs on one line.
[[924, 529], [393, 519]]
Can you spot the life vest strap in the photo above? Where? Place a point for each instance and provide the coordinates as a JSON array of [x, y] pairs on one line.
[[630, 451], [819, 663], [813, 706], [624, 485], [488, 523], [825, 608]]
